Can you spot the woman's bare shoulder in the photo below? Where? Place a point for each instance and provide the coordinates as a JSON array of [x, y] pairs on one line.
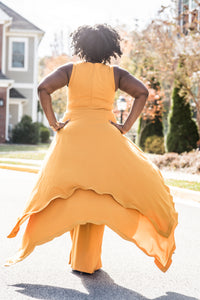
[[119, 73], [67, 69], [128, 83], [119, 70]]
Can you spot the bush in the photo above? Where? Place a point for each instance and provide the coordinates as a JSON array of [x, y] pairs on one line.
[[25, 132], [44, 134], [183, 132], [153, 127], [154, 144]]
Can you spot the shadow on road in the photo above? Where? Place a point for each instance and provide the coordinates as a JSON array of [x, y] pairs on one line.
[[99, 286]]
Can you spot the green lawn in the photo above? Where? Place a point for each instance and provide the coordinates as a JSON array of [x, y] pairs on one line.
[[23, 151], [191, 185], [18, 147], [17, 164], [24, 155]]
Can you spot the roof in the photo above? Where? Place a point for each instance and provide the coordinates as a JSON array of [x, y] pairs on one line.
[[16, 94], [2, 76], [19, 22], [4, 16]]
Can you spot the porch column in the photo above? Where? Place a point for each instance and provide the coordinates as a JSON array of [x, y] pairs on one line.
[[3, 113]]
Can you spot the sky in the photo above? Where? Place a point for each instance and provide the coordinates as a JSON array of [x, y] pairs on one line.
[[66, 15]]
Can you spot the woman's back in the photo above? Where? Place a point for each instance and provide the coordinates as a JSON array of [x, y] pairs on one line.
[[91, 86]]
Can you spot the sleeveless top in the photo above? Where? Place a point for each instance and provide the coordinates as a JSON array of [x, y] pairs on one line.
[[91, 86]]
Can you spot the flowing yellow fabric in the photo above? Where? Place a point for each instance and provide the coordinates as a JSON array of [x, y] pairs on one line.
[[94, 176]]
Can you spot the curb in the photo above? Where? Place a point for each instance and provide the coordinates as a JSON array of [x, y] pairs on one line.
[[19, 168], [184, 194]]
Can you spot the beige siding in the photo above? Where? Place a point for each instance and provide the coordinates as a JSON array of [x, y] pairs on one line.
[[27, 107], [13, 114]]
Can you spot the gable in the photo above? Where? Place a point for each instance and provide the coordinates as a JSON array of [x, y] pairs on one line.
[[18, 22]]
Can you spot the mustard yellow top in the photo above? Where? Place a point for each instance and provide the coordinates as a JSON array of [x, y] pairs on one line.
[[91, 86]]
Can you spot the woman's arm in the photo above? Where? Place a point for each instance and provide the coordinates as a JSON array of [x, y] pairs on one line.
[[56, 80], [135, 88]]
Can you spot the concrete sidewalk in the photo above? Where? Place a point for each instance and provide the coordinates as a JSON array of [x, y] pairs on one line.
[[33, 166]]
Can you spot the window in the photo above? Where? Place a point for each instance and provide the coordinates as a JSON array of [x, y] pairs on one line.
[[18, 54], [190, 15]]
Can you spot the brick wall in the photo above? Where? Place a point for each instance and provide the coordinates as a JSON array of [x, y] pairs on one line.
[[3, 95]]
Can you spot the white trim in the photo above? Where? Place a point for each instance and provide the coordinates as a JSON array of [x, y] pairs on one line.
[[20, 34], [3, 64], [35, 73], [23, 85], [25, 41], [23, 32], [17, 100], [7, 115], [29, 34], [20, 111], [6, 82], [26, 34], [3, 50]]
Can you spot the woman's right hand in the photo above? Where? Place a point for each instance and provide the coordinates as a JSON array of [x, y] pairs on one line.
[[119, 127], [59, 125]]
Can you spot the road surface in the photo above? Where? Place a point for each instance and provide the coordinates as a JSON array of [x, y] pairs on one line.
[[127, 273]]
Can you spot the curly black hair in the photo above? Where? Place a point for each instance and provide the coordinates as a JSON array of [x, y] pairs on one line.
[[96, 44]]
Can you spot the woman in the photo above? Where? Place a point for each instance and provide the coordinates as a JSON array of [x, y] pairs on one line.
[[93, 175]]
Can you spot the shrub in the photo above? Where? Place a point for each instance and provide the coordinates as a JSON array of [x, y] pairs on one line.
[[153, 127], [44, 134], [183, 132], [155, 144], [25, 132]]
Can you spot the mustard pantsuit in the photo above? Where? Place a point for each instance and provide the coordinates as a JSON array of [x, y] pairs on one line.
[[94, 176]]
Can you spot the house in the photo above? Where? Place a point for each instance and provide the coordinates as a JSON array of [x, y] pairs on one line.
[[188, 12], [19, 40]]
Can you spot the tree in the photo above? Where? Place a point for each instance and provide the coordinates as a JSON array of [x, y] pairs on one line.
[[150, 122], [183, 132], [157, 50]]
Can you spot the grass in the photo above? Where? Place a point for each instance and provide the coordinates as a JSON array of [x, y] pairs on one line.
[[18, 147], [191, 185], [24, 155], [17, 164], [35, 152]]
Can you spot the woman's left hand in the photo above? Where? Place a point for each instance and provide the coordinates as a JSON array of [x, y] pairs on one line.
[[119, 127], [59, 125]]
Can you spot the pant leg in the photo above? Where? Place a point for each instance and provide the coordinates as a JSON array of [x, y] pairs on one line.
[[85, 254]]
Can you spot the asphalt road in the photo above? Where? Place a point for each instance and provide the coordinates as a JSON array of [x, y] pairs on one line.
[[127, 272]]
